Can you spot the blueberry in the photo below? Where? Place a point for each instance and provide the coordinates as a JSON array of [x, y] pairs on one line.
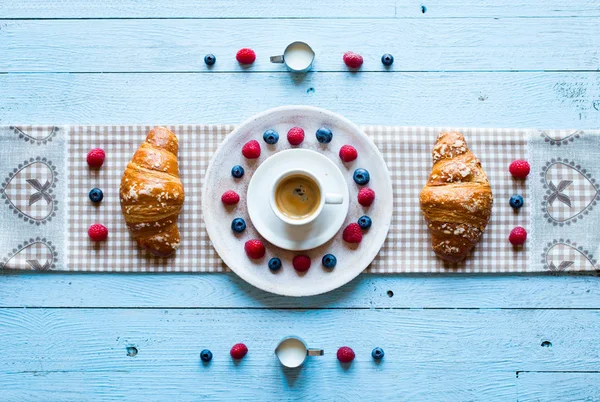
[[364, 222], [206, 355], [210, 59], [329, 261], [237, 171], [324, 135], [361, 176], [96, 195], [274, 264], [238, 225], [387, 59], [271, 137], [516, 201], [377, 353]]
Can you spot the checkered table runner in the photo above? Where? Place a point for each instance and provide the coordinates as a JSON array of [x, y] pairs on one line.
[[48, 211]]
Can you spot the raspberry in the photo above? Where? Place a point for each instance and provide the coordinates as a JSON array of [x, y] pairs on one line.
[[517, 236], [230, 197], [254, 249], [251, 149], [352, 233], [348, 153], [345, 354], [98, 232], [519, 169], [95, 158], [301, 263], [295, 136], [353, 60], [366, 196], [245, 56], [238, 351]]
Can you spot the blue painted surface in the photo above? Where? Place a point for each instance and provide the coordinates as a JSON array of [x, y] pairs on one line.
[[446, 338]]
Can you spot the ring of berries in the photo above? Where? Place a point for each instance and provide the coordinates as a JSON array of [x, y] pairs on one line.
[[353, 233]]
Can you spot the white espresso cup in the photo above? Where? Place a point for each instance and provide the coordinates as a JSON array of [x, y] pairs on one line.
[[325, 198], [297, 57], [292, 351]]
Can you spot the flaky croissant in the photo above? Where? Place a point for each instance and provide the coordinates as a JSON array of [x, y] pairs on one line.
[[151, 193], [457, 199]]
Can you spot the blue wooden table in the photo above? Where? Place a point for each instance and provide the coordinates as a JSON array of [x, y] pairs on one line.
[[77, 337]]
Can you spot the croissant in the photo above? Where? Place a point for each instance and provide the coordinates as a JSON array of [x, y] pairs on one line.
[[457, 199], [151, 193]]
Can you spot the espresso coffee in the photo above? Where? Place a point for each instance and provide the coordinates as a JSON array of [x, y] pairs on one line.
[[297, 196]]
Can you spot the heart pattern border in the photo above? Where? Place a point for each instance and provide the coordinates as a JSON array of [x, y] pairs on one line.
[[50, 193], [563, 267], [34, 140], [562, 140], [550, 190], [34, 264]]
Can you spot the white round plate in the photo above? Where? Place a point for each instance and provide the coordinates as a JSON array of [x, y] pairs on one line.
[[352, 259], [284, 235]]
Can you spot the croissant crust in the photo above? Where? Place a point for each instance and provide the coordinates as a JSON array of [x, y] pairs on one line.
[[457, 199], [152, 195]]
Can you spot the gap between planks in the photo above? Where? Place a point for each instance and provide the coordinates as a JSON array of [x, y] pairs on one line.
[[362, 71], [301, 308]]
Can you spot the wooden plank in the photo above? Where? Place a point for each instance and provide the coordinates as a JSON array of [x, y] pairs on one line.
[[229, 291], [557, 386], [544, 100], [243, 382], [290, 8], [458, 354], [507, 340], [180, 45]]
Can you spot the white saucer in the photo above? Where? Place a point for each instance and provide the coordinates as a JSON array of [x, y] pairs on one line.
[[284, 235]]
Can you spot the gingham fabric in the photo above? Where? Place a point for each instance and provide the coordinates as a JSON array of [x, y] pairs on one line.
[[195, 253], [407, 152]]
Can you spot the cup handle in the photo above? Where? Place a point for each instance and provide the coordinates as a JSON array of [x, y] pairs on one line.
[[276, 59], [334, 199], [315, 352]]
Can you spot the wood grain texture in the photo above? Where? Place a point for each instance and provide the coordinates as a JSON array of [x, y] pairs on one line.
[[543, 100], [422, 347], [293, 8], [446, 338], [558, 386], [365, 292], [511, 44]]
